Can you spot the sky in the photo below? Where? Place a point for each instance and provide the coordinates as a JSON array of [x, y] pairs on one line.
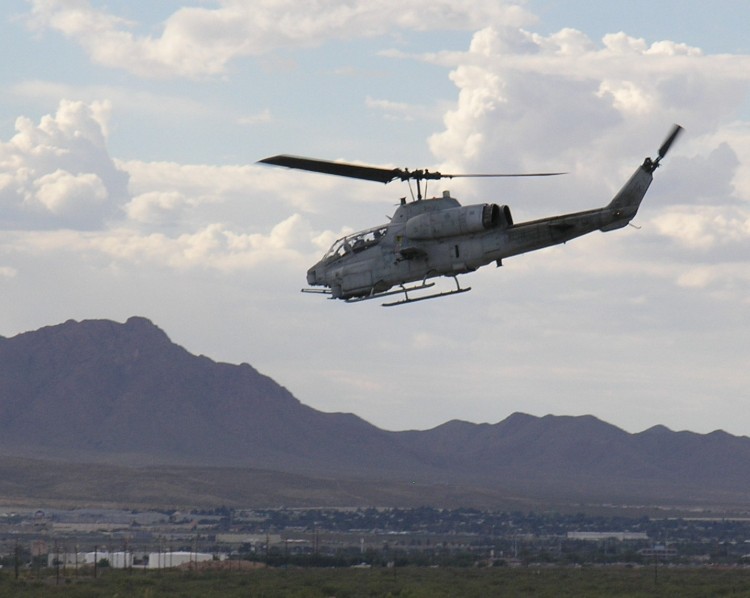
[[130, 132]]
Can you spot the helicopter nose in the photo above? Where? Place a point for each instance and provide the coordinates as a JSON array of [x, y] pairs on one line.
[[312, 276]]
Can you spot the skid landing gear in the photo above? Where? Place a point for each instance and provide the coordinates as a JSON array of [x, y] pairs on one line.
[[408, 299]]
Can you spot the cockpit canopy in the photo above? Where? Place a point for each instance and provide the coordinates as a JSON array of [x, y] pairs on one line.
[[355, 243]]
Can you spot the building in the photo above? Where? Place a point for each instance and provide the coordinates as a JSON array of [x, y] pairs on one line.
[[116, 560], [598, 536], [166, 560]]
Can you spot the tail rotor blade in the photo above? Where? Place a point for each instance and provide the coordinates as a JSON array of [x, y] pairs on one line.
[[652, 165], [676, 130]]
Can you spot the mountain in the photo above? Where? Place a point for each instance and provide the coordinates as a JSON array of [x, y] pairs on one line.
[[577, 458], [101, 390], [116, 394]]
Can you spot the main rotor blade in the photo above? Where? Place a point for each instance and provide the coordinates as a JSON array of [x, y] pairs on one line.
[[368, 173], [371, 173], [475, 176]]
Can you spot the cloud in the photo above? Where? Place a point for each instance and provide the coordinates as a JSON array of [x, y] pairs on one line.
[[146, 104], [260, 118], [255, 189], [727, 283], [218, 247], [211, 247], [705, 228], [58, 173], [7, 272], [156, 207], [62, 192], [199, 42], [57, 178], [402, 111], [528, 102], [555, 95], [737, 136], [65, 194]]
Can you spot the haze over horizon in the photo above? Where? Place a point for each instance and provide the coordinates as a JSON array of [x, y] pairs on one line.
[[129, 134]]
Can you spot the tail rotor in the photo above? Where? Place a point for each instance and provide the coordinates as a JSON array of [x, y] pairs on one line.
[[652, 165]]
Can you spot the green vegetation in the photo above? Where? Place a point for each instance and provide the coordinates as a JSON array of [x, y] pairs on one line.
[[409, 582]]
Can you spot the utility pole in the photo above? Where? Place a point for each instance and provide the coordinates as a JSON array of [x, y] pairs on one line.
[[57, 565]]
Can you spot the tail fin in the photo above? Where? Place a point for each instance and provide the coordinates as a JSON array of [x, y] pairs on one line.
[[625, 204]]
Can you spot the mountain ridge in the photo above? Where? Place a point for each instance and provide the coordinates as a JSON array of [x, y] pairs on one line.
[[106, 392]]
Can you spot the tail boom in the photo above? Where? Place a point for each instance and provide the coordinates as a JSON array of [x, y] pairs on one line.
[[624, 206]]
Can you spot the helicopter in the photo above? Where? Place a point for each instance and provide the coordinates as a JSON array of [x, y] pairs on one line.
[[433, 237]]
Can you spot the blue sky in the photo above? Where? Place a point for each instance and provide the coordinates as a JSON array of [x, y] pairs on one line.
[[129, 133]]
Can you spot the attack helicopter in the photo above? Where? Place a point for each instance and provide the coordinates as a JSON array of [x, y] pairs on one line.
[[433, 237]]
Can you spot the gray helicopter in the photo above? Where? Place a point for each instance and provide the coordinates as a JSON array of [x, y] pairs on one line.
[[428, 238]]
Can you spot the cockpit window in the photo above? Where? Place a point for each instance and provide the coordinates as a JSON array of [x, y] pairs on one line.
[[356, 242]]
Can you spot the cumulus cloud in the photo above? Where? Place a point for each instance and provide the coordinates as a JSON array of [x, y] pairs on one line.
[[168, 190], [261, 118], [704, 228], [596, 108], [156, 207], [7, 272], [403, 111], [200, 41], [63, 193], [146, 104], [566, 102], [213, 246], [726, 283], [564, 99], [58, 173]]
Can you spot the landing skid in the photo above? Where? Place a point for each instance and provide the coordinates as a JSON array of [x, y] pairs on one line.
[[329, 294], [317, 291], [402, 289], [423, 285], [408, 299]]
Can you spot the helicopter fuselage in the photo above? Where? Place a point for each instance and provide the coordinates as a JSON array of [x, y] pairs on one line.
[[439, 237], [428, 238]]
